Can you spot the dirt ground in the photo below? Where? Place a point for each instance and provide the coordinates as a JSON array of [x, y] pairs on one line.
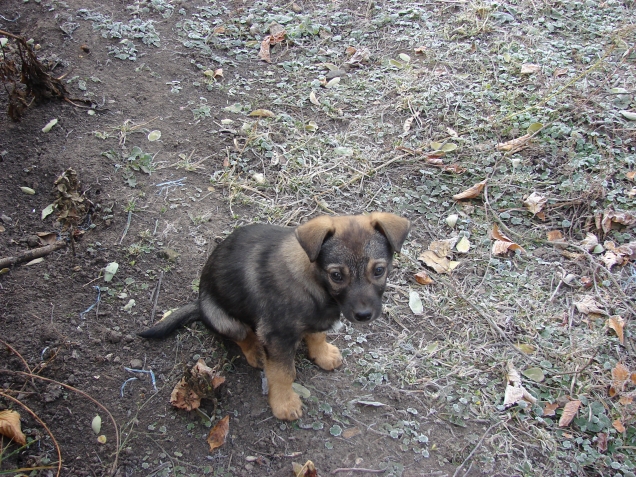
[[41, 304], [325, 128]]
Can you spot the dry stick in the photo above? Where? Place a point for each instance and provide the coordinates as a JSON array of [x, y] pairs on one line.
[[31, 254], [126, 228], [87, 396], [359, 469], [35, 416], [13, 350], [475, 449], [154, 305]]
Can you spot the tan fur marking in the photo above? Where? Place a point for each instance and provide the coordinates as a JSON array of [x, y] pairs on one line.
[[285, 403], [324, 354], [252, 349]]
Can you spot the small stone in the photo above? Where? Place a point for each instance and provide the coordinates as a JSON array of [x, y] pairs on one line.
[[169, 254], [136, 363], [33, 241], [335, 74], [249, 467], [114, 336], [296, 8], [6, 219], [129, 338]]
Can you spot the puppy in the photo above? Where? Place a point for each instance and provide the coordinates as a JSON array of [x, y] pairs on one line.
[[268, 287]]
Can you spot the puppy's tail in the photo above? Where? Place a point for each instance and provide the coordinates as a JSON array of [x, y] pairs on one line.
[[180, 317]]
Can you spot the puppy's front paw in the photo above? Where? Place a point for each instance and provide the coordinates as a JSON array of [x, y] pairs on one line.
[[286, 406], [327, 356]]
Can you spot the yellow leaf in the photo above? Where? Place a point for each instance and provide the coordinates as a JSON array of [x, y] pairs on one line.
[[569, 411], [463, 246], [10, 426], [262, 113], [526, 348]]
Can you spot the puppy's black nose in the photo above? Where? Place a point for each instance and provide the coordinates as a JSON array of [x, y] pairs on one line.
[[364, 315]]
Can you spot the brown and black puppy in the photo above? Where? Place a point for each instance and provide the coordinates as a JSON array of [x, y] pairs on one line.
[[269, 287]]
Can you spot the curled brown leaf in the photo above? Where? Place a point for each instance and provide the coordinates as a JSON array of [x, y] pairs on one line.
[[569, 411], [472, 192], [217, 435]]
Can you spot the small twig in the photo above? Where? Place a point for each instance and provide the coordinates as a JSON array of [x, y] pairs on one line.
[[32, 254], [470, 456], [154, 305], [358, 469], [126, 228]]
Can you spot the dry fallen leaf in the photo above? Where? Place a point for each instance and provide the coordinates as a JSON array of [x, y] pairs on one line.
[[307, 470], [351, 432], [554, 235], [601, 442], [199, 382], [471, 193], [10, 426], [515, 392], [443, 247], [314, 99], [619, 217], [409, 122], [587, 304], [262, 113], [631, 175], [422, 278], [549, 409], [590, 242], [529, 68], [534, 203], [269, 40], [359, 56], [610, 259], [514, 144], [617, 323], [620, 374], [217, 435], [618, 425], [502, 243], [437, 263], [569, 411]]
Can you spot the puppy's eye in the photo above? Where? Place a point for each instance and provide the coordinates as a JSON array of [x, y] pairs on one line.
[[378, 271], [336, 276]]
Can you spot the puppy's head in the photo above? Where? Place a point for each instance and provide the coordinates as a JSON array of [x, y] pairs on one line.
[[354, 255]]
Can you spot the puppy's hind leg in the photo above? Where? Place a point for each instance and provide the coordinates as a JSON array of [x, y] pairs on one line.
[[252, 349], [218, 320], [325, 355]]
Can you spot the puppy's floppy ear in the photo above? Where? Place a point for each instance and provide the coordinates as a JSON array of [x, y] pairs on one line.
[[394, 228], [312, 234]]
